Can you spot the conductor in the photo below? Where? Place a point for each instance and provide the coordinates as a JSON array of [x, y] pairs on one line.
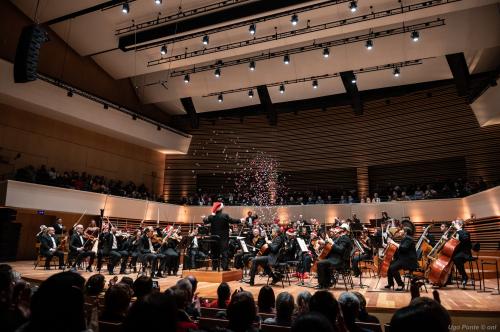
[[219, 223]]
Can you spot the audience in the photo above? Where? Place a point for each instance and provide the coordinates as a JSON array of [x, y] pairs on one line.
[[58, 305], [116, 303], [266, 300], [94, 286], [284, 310], [223, 297]]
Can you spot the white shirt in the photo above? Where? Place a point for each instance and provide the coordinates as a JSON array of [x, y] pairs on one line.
[[115, 245], [81, 240], [150, 244], [195, 242], [53, 242]]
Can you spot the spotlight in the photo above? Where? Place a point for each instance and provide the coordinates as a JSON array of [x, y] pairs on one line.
[[163, 50], [205, 40], [369, 44], [158, 2], [250, 94], [217, 72], [252, 29], [252, 65], [315, 84], [295, 19], [396, 72], [70, 93], [326, 52], [353, 81], [415, 36], [125, 8], [186, 78], [353, 6], [158, 128], [286, 59], [105, 106], [220, 98], [282, 88]]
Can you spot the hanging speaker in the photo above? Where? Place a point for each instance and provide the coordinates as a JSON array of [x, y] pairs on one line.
[[28, 50]]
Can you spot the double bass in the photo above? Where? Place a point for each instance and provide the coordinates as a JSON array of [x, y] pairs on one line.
[[441, 265]]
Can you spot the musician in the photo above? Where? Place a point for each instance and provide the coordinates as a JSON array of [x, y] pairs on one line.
[[169, 249], [49, 245], [338, 258], [194, 249], [292, 249], [59, 227], [270, 258], [404, 258], [463, 252], [306, 258], [78, 248], [108, 247], [92, 229], [39, 235], [254, 242], [131, 245], [367, 253], [251, 219], [147, 252], [220, 222]]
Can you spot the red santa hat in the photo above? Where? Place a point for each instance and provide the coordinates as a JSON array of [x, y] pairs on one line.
[[218, 206], [290, 232]]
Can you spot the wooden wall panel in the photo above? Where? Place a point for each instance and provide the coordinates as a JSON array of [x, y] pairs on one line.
[[426, 125]]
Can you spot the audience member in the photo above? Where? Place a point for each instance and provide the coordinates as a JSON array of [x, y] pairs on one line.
[[324, 302], [364, 316], [422, 314], [312, 321], [242, 313], [349, 304], [152, 312], [116, 303], [303, 299], [94, 286], [266, 300], [223, 297], [10, 316], [284, 310], [142, 286]]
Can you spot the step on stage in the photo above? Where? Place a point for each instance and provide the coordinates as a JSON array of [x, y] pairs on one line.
[[464, 305]]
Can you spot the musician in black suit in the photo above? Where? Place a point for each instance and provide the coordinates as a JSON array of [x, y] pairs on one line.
[[147, 252], [59, 227], [194, 249], [404, 258], [254, 241], [251, 219], [108, 247], [77, 249], [49, 248], [131, 245], [270, 259], [219, 227], [338, 257], [463, 252]]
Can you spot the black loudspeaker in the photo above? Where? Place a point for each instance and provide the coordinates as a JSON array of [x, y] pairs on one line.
[[28, 50]]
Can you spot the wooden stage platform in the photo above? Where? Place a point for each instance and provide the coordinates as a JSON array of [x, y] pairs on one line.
[[465, 305]]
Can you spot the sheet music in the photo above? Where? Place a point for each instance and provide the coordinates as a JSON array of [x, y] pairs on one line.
[[244, 246], [302, 244]]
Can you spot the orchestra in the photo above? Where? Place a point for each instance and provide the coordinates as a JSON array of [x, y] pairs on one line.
[[312, 248]]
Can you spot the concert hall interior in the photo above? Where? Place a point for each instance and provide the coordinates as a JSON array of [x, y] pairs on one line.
[[249, 165]]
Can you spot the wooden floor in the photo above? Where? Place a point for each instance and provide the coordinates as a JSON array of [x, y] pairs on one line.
[[455, 300]]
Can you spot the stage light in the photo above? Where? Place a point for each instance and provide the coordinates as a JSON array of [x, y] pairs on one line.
[[315, 84], [186, 78], [353, 6], [205, 40], [295, 19], [286, 59], [252, 29], [369, 44], [326, 52], [415, 36], [282, 88], [70, 93], [252, 65], [217, 72], [125, 8], [163, 50], [353, 81], [220, 98], [250, 94], [158, 2], [396, 72]]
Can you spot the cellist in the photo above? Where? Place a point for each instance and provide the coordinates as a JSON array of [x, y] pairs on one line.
[[405, 258]]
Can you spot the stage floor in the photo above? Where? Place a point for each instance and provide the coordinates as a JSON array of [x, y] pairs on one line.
[[459, 302]]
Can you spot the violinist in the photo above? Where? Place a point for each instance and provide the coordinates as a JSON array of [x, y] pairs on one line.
[[463, 251], [268, 259], [147, 252], [292, 250], [77, 248], [49, 245], [131, 245], [169, 249], [194, 248], [59, 227], [405, 258], [362, 255], [254, 242], [108, 247], [91, 234], [251, 219], [338, 258], [306, 258]]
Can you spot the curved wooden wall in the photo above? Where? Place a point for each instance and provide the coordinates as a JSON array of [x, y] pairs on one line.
[[418, 127]]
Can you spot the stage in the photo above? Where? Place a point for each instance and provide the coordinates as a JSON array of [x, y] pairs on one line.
[[464, 305]]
